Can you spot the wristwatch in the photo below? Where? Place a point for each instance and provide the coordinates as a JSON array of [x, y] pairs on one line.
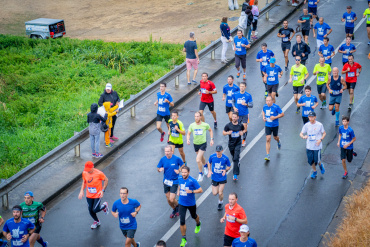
[[103, 190], [192, 191]]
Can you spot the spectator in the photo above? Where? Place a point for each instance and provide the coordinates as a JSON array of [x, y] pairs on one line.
[[301, 49], [245, 4], [111, 112], [94, 119], [255, 13], [249, 21], [192, 57], [110, 96], [225, 38], [161, 243]]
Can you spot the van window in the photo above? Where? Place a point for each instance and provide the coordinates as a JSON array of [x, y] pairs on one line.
[[57, 27]]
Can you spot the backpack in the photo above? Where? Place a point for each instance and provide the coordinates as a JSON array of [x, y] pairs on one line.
[[103, 127]]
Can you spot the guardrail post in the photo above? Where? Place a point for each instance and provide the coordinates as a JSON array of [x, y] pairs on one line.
[[267, 13], [77, 148], [213, 54], [177, 81], [133, 111], [5, 201]]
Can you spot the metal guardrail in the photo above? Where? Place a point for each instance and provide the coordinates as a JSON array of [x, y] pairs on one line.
[[79, 137]]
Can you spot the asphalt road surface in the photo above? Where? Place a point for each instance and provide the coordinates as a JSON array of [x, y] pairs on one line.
[[283, 205]]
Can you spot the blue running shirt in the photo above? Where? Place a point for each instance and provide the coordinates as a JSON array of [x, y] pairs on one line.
[[126, 221], [170, 177], [190, 183], [346, 136], [309, 101], [163, 107], [229, 91], [218, 166]]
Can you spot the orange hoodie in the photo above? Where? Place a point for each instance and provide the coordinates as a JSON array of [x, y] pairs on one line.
[[110, 112]]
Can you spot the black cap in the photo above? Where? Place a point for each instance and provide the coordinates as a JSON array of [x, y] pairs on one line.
[[219, 148], [349, 7], [312, 114]]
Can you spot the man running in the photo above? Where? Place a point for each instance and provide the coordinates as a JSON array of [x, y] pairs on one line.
[[298, 76], [186, 192], [235, 130], [199, 130], [192, 57], [366, 15], [323, 30], [34, 212], [315, 134], [263, 57], [306, 21], [207, 88], [244, 239], [17, 229], [347, 49], [349, 18], [228, 91], [322, 70], [352, 71], [312, 8], [176, 131], [272, 73], [308, 102], [164, 101], [234, 216], [301, 49], [240, 47], [126, 210], [345, 142], [326, 51], [93, 180], [336, 85], [271, 114], [218, 165], [170, 165], [286, 33], [241, 102]]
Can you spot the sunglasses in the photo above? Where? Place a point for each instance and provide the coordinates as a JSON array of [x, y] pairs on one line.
[[298, 59]]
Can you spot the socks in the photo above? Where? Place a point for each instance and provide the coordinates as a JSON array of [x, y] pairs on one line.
[[184, 236], [245, 135], [220, 202], [198, 224], [41, 241], [337, 116]]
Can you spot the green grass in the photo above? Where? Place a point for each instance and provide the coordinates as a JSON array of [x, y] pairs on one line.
[[47, 87]]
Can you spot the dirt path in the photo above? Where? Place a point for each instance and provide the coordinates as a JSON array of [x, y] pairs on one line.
[[125, 20]]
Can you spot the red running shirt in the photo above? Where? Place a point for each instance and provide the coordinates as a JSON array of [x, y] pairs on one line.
[[210, 86], [232, 227], [351, 75]]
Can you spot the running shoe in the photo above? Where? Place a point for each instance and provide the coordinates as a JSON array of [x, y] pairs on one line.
[[350, 106], [317, 18], [345, 175], [294, 4], [324, 104], [194, 82], [200, 177], [215, 124], [235, 177], [111, 140], [333, 112], [322, 168], [173, 214], [354, 154], [368, 43], [205, 170], [279, 145], [244, 76], [189, 83], [298, 110], [106, 208], [336, 122], [238, 75], [183, 242], [277, 94], [95, 224], [99, 155], [162, 136], [286, 68], [177, 211], [219, 207], [46, 243], [114, 138], [94, 155], [267, 157], [243, 143], [266, 94], [314, 175], [185, 163], [109, 145], [197, 228], [137, 244]]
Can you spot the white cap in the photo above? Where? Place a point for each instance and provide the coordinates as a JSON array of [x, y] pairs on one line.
[[244, 228], [108, 86]]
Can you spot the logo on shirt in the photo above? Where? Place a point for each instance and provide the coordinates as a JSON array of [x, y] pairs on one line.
[[16, 233], [161, 101], [90, 180]]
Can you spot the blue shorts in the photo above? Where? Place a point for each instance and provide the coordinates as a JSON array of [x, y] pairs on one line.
[[313, 156], [337, 99], [312, 10], [349, 30]]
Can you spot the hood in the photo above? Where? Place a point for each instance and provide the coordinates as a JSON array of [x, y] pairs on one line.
[[94, 108], [243, 13], [248, 12], [106, 105]]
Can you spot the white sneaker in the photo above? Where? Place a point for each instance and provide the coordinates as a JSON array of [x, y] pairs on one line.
[[294, 4], [200, 177], [106, 209], [95, 224], [205, 170]]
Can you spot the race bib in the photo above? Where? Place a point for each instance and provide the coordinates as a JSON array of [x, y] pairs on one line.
[[321, 78], [306, 112], [175, 134], [230, 101], [295, 78], [125, 220], [203, 90], [344, 143], [168, 182], [17, 243], [235, 134], [308, 103], [312, 137], [310, 3], [351, 74], [198, 132], [285, 39], [264, 63], [32, 219], [161, 109], [228, 218], [183, 193], [271, 78], [336, 92], [268, 120], [91, 190]]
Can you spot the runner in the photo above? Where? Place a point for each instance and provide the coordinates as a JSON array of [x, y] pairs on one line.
[[192, 57], [229, 89], [218, 165], [17, 230], [345, 142], [271, 114], [308, 102], [326, 51], [93, 180], [298, 76], [352, 71], [263, 57], [241, 102], [235, 130], [161, 243], [199, 129], [336, 85], [323, 30], [272, 73], [207, 88], [239, 46], [176, 131], [285, 33], [126, 210], [346, 49], [244, 239], [306, 21], [323, 71], [170, 165], [234, 216], [312, 8], [315, 133], [349, 18], [366, 15], [164, 101], [3, 243], [301, 49], [34, 212], [186, 192]]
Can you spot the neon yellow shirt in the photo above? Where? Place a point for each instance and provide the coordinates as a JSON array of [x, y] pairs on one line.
[[175, 136], [323, 73], [367, 15], [298, 74]]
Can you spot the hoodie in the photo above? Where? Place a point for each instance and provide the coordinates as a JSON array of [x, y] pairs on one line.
[[93, 118], [243, 20], [248, 12], [110, 112], [111, 97]]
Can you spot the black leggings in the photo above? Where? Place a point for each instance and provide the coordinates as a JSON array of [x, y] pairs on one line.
[[114, 119], [235, 153], [182, 211], [94, 207]]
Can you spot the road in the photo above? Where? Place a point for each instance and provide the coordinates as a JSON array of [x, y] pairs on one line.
[[284, 206]]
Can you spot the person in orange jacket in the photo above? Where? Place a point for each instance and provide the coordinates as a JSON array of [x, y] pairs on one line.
[[111, 111]]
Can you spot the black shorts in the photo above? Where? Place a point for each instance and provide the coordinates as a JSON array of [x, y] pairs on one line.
[[312, 10], [214, 183], [272, 88], [160, 118], [241, 59], [321, 88], [273, 130], [351, 85], [262, 74], [202, 147], [228, 241], [38, 227], [202, 106], [286, 46], [171, 189], [305, 120], [229, 109], [176, 145], [367, 25], [346, 154], [182, 211], [306, 32], [298, 90], [130, 233], [349, 30]]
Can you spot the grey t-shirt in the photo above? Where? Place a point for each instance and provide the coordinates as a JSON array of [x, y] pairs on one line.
[[305, 25], [314, 133], [190, 47]]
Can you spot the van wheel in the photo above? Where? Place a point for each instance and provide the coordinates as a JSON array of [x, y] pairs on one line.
[[34, 36]]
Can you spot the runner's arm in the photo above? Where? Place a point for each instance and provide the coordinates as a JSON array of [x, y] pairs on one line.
[[223, 97], [343, 83], [339, 137], [137, 209], [211, 134], [279, 116], [82, 189], [196, 54], [241, 221], [42, 213], [200, 190], [188, 137], [105, 183], [1, 220], [329, 32], [306, 76], [292, 35], [328, 84]]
